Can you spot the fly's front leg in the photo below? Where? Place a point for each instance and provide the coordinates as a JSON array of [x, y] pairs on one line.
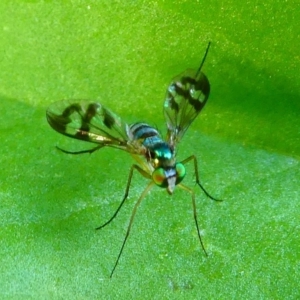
[[143, 173], [142, 196], [147, 189], [193, 157], [194, 214]]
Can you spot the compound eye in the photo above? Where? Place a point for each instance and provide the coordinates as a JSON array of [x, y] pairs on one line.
[[180, 172], [159, 177]]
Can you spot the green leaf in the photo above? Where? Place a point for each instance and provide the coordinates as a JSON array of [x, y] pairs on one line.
[[247, 140]]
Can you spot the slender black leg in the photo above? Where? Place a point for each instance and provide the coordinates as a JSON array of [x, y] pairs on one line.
[[147, 189], [193, 157], [194, 214], [141, 171], [80, 152]]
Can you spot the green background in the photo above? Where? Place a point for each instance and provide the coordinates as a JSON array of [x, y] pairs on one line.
[[247, 140]]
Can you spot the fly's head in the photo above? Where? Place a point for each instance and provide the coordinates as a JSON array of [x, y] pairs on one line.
[[167, 172]]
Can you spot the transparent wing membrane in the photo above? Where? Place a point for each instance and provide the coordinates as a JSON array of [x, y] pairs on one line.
[[186, 96], [88, 121]]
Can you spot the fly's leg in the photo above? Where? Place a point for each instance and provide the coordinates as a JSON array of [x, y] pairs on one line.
[[146, 190], [80, 152], [193, 157], [142, 172], [194, 214]]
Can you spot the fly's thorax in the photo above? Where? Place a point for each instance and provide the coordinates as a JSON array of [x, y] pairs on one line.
[[161, 155]]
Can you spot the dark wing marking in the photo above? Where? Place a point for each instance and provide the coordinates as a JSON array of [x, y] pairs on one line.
[[186, 96], [89, 121]]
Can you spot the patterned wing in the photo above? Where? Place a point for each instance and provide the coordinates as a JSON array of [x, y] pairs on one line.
[[186, 96], [89, 121]]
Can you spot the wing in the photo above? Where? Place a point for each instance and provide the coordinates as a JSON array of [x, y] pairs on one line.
[[185, 98], [89, 121]]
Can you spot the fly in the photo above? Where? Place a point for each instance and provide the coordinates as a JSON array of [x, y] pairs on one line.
[[156, 160]]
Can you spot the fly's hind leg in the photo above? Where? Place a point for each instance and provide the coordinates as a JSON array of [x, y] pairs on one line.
[[81, 151]]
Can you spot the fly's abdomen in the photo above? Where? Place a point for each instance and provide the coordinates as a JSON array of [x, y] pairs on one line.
[[147, 135]]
